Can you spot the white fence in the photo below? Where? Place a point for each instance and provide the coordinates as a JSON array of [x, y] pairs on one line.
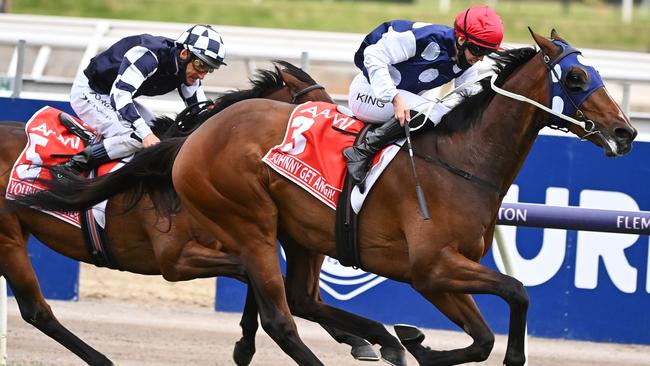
[[59, 47]]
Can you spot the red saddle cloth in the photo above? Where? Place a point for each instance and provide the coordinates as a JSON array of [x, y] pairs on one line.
[[46, 136], [310, 154]]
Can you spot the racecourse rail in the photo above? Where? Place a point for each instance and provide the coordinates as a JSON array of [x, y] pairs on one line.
[[574, 218], [74, 41]]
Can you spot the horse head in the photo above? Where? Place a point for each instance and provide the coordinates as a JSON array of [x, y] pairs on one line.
[[300, 85], [286, 82], [576, 90]]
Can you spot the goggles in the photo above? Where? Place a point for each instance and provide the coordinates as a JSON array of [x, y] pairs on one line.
[[201, 66], [477, 50]]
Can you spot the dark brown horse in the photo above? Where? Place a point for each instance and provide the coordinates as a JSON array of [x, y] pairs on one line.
[[221, 181], [178, 249]]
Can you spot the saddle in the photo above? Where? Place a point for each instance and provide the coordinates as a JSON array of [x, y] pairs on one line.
[[55, 136], [76, 128]]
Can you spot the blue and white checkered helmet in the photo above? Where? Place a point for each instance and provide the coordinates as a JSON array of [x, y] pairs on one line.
[[205, 43]]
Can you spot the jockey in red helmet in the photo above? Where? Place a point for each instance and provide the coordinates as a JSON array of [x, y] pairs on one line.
[[479, 30], [399, 61]]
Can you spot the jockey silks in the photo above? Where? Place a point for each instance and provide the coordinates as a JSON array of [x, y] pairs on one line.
[[420, 57], [139, 65]]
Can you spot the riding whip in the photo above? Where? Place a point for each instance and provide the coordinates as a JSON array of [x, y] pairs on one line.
[[422, 201]]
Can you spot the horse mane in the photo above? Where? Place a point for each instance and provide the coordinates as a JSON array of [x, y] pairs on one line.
[[464, 115], [264, 82]]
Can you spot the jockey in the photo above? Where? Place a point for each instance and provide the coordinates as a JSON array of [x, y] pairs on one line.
[[399, 60], [103, 95]]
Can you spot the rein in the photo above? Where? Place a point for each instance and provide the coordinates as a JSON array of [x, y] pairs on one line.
[[461, 173], [587, 125], [300, 93]]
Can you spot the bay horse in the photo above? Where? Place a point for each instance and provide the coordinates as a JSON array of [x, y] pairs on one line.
[[139, 242], [465, 166]]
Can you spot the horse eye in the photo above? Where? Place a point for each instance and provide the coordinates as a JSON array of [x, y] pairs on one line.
[[576, 80]]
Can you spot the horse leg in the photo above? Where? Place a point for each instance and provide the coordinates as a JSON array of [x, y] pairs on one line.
[[462, 310], [245, 347], [450, 271], [16, 268], [303, 294], [266, 281], [360, 349], [193, 260]]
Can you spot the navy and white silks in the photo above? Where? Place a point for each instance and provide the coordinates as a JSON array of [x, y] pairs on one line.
[[103, 95], [406, 57]]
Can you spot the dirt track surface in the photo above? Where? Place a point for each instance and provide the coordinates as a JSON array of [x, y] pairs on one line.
[[137, 320]]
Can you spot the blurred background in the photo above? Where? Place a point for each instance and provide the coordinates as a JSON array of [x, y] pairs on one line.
[[590, 23], [319, 35]]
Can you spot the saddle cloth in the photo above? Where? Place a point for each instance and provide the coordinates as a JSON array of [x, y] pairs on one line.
[[46, 136], [310, 154]]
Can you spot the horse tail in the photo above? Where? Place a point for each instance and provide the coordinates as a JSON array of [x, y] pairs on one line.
[[148, 173]]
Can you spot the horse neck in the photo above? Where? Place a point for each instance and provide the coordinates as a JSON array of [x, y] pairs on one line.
[[282, 95], [497, 145]]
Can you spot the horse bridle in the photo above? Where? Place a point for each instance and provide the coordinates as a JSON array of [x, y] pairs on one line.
[[302, 92], [589, 125], [586, 124]]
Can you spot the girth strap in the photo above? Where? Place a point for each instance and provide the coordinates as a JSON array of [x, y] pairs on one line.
[[95, 240], [347, 245]]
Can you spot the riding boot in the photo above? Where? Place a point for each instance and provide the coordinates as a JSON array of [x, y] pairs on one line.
[[89, 158], [359, 157]]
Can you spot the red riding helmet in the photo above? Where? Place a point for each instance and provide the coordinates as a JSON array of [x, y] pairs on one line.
[[481, 26]]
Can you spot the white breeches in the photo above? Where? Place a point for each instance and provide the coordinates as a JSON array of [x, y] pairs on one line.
[[370, 109], [95, 110]]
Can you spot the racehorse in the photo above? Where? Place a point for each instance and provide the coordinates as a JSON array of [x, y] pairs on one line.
[[139, 242], [465, 166]]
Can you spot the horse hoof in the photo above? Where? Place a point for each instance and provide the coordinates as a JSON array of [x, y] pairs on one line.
[[364, 353], [243, 353], [408, 334], [393, 356]]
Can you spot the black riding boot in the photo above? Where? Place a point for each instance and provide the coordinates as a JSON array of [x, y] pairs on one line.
[[89, 158], [359, 157]]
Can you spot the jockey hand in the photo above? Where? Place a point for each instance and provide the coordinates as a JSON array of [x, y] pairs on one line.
[[150, 140], [402, 109]]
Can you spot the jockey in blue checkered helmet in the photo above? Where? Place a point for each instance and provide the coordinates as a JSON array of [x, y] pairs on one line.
[[205, 44]]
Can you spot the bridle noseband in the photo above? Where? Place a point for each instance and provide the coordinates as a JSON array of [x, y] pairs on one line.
[[559, 119], [300, 93]]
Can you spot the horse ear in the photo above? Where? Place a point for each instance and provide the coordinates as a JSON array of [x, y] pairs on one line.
[[556, 36], [544, 44]]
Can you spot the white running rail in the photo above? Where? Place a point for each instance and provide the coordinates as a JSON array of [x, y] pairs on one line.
[[60, 47]]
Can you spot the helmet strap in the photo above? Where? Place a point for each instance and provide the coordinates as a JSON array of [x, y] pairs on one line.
[[461, 60], [182, 64]]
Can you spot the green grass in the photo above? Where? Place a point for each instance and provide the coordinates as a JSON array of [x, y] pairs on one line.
[[588, 23]]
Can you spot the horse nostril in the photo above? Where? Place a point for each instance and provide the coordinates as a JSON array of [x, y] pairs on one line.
[[625, 133]]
